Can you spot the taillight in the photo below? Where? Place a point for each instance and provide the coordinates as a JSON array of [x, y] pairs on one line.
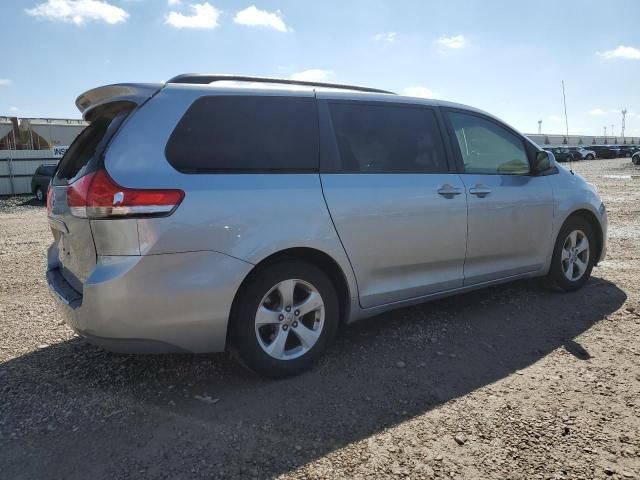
[[49, 200], [96, 195]]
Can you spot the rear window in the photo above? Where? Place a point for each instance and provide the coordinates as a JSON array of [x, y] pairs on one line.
[[246, 134], [48, 170], [83, 156]]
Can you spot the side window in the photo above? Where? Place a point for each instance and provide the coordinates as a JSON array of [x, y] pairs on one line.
[[387, 138], [246, 134], [488, 148]]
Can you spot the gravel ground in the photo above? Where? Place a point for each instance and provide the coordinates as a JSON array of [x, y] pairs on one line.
[[509, 382]]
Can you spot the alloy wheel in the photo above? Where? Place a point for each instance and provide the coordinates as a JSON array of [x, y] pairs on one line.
[[289, 319], [575, 255]]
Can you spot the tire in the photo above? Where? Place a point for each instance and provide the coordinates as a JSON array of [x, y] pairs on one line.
[[627, 154], [264, 290], [39, 194], [589, 157], [561, 264], [636, 159]]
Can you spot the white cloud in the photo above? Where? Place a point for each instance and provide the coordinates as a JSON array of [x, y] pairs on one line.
[[5, 82], [597, 111], [388, 37], [253, 17], [79, 11], [417, 91], [555, 118], [452, 42], [14, 109], [174, 3], [313, 75], [204, 15], [621, 51]]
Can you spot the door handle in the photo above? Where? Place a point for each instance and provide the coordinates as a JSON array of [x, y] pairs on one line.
[[480, 191], [449, 191]]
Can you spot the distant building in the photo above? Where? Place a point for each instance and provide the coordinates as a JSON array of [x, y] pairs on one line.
[[38, 133], [7, 126], [555, 140]]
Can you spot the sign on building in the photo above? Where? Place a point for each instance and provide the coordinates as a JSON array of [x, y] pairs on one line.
[[59, 151]]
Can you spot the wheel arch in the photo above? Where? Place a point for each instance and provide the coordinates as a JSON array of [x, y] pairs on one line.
[[314, 256]]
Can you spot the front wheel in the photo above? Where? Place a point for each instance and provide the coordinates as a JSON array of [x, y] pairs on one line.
[[636, 160], [573, 255], [284, 318], [589, 157]]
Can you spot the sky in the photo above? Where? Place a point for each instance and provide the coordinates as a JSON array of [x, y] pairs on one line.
[[503, 56]]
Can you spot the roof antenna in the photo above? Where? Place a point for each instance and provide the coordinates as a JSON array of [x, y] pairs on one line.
[[566, 124]]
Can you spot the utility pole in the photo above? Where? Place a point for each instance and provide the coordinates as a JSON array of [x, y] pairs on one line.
[[605, 133], [539, 127], [624, 114], [612, 134]]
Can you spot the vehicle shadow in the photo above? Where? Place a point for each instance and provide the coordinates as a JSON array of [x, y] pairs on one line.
[[73, 411]]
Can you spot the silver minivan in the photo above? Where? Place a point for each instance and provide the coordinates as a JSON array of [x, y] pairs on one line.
[[257, 215]]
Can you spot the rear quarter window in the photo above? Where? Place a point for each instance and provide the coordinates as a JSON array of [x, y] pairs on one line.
[[242, 134]]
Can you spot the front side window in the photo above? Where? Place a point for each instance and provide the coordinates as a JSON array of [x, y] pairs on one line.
[[246, 134], [487, 148], [375, 138]]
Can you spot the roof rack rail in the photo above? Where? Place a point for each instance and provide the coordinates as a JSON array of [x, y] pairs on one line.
[[203, 79]]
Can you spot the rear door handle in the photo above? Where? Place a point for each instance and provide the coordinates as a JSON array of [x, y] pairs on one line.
[[480, 191], [449, 191]]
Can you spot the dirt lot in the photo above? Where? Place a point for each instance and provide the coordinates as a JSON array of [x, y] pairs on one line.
[[510, 382]]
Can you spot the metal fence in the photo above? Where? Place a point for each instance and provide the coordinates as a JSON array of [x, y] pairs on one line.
[[18, 166]]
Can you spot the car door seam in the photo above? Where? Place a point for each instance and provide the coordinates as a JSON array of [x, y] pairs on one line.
[[335, 229]]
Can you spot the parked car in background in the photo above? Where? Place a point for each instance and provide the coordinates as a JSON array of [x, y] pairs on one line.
[[605, 151], [262, 217], [41, 179], [583, 153], [563, 154], [624, 150]]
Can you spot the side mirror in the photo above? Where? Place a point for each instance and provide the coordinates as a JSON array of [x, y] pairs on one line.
[[542, 162]]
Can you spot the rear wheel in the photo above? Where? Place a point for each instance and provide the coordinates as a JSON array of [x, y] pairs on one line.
[[39, 194], [573, 255], [284, 318], [627, 154], [589, 157]]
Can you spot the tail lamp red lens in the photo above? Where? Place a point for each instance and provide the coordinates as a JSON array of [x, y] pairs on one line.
[[96, 195], [50, 200]]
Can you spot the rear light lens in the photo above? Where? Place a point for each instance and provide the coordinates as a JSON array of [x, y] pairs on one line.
[[96, 195], [49, 200]]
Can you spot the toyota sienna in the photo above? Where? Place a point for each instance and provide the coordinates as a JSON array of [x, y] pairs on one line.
[[221, 212]]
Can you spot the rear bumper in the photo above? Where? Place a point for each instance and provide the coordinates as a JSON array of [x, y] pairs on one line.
[[151, 304]]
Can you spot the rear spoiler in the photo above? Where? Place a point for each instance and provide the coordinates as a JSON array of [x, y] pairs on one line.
[[137, 93]]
